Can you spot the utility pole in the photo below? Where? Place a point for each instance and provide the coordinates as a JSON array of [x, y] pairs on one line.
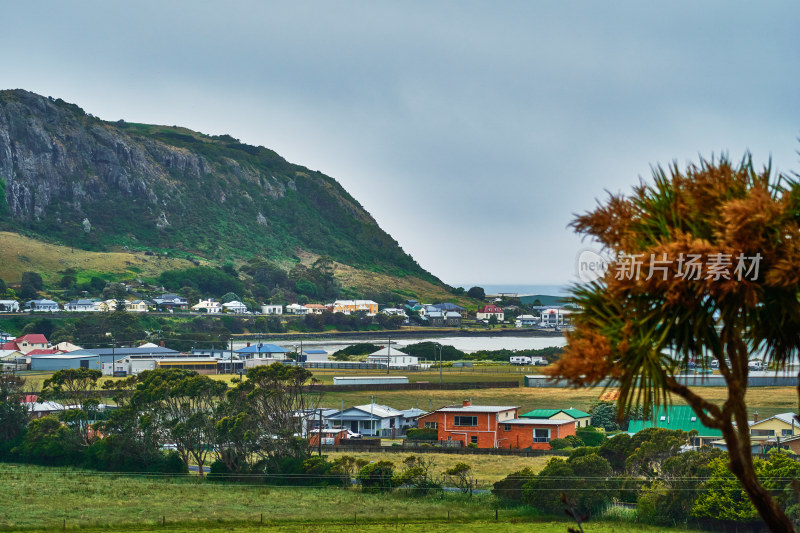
[[371, 413], [388, 353], [440, 364], [319, 434]]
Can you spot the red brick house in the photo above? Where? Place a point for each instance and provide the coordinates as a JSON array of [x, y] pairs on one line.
[[470, 424], [535, 434], [494, 426]]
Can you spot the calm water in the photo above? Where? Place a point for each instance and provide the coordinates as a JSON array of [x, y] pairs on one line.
[[465, 344]]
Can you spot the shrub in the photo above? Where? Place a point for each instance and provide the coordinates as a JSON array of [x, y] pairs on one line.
[[590, 436], [422, 434], [581, 479], [377, 477], [560, 444], [509, 489]]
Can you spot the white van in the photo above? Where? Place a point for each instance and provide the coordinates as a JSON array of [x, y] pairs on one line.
[[755, 365]]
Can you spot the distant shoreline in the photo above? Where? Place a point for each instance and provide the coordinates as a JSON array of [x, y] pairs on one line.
[[383, 335]]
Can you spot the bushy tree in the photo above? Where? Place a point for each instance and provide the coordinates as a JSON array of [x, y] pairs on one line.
[[739, 227], [582, 480], [590, 436], [13, 415], [669, 499], [477, 292], [377, 477], [31, 285], [47, 441], [510, 488]]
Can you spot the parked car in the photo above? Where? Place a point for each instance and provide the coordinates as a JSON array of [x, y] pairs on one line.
[[755, 365]]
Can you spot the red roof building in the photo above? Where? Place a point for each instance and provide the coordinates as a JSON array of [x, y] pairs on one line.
[[488, 311], [27, 343]]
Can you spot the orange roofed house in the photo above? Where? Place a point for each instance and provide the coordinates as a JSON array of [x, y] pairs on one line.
[[494, 426]]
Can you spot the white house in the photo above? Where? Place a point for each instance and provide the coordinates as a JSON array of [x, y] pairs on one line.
[[395, 311], [296, 309], [42, 306], [268, 309], [488, 311], [395, 358], [80, 306], [555, 316], [372, 420], [235, 307], [209, 306], [9, 306], [525, 321]]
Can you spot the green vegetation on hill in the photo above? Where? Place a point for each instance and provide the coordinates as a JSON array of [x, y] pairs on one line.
[[170, 190]]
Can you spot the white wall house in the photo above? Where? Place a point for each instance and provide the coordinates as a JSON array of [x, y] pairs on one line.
[[269, 309], [9, 306], [235, 307], [210, 306], [296, 309], [395, 357]]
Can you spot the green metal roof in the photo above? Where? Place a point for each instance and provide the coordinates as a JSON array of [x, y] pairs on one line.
[[677, 417], [549, 413], [576, 413]]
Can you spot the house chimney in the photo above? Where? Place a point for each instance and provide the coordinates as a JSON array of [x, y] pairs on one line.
[[161, 344], [248, 344], [755, 417], [466, 403]]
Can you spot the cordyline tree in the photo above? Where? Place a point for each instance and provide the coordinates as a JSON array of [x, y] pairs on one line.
[[704, 265]]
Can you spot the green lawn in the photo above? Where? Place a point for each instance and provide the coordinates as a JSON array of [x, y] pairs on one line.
[[40, 498]]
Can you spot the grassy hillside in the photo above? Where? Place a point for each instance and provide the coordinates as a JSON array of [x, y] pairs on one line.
[[20, 254], [75, 180]]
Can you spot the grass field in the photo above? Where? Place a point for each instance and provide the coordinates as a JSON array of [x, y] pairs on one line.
[[38, 498], [486, 468], [767, 401]]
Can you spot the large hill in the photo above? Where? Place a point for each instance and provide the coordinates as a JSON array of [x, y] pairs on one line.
[[71, 179]]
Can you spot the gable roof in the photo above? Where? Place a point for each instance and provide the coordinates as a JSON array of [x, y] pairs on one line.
[[786, 418], [477, 409], [383, 352], [376, 410], [33, 338], [677, 417], [40, 351], [262, 348], [549, 413], [490, 308]]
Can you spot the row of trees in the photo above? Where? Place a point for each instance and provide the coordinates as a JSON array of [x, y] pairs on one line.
[[649, 469], [248, 428]]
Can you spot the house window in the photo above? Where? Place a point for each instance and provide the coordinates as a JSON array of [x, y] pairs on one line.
[[507, 427], [431, 425], [473, 439], [541, 435], [787, 432], [762, 432], [470, 421]]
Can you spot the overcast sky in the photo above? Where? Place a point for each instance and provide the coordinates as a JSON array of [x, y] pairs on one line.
[[472, 131]]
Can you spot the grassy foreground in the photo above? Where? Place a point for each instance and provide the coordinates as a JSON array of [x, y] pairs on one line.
[[40, 498]]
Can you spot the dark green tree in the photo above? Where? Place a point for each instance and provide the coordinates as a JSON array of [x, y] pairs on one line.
[[477, 292], [13, 415], [31, 285]]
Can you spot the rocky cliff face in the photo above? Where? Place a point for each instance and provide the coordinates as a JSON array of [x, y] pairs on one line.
[[74, 178]]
